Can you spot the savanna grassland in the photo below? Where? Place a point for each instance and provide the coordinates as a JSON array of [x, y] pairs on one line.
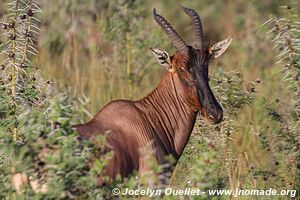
[[83, 54]]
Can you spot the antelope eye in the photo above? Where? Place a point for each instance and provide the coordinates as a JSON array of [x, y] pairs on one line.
[[181, 69]]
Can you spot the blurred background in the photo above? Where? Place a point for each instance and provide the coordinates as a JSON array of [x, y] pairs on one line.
[[100, 49]]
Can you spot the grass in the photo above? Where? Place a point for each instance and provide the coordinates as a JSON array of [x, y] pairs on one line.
[[257, 145]]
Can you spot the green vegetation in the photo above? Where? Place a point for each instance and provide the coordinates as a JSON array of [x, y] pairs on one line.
[[99, 51]]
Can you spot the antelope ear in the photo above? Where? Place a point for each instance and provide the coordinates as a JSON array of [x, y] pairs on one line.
[[219, 48], [162, 57]]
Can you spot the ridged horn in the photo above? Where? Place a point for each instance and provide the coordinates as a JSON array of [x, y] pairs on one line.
[[176, 40], [198, 38]]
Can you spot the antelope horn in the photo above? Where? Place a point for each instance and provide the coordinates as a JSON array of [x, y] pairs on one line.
[[198, 38], [176, 40]]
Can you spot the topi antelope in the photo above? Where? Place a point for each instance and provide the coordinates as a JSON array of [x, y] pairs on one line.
[[165, 117]]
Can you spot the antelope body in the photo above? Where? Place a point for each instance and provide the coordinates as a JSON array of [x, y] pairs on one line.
[[163, 120]]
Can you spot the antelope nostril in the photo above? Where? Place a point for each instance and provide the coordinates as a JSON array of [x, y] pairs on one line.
[[218, 117]]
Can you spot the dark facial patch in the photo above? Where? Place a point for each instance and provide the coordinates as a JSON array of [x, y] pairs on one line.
[[197, 76]]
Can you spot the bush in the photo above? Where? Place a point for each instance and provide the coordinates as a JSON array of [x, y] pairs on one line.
[[255, 147]]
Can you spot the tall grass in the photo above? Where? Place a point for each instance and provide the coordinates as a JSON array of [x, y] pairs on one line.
[[100, 51], [111, 58], [245, 143]]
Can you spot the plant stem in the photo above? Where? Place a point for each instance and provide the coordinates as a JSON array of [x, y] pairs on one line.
[[128, 67], [27, 37], [13, 72]]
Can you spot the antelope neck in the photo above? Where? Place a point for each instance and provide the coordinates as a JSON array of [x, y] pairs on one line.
[[166, 109]]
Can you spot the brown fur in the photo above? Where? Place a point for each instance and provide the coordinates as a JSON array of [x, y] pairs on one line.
[[161, 123], [164, 118]]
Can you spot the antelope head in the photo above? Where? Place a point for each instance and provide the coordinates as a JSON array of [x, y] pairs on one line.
[[190, 63]]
